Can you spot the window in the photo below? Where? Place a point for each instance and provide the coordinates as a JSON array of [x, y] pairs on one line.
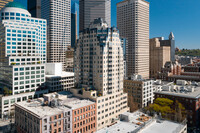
[[6, 102]]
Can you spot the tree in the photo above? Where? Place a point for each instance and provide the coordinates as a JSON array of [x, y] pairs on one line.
[[168, 109], [6, 91]]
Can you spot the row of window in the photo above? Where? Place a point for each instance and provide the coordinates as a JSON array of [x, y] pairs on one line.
[[84, 109], [84, 116]]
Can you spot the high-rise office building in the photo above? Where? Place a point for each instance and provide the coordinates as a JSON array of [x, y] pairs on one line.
[[22, 53], [34, 7], [58, 16], [159, 55], [171, 43], [93, 9], [99, 71], [3, 3], [74, 24], [133, 24]]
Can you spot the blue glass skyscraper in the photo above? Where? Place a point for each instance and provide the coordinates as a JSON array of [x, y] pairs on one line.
[[74, 22]]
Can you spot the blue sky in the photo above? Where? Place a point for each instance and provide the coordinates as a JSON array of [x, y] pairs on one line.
[[179, 16]]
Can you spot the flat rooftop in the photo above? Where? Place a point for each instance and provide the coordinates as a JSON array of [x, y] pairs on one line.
[[194, 94], [65, 99], [69, 100], [134, 123], [120, 127], [150, 126], [37, 109], [162, 127], [75, 103], [64, 74]]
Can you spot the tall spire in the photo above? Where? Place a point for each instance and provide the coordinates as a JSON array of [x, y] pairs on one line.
[[171, 36]]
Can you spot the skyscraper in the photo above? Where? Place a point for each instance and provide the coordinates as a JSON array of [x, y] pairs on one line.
[[99, 64], [74, 24], [133, 24], [171, 43], [3, 3], [93, 9], [23, 49], [34, 7], [58, 16], [22, 56], [99, 71]]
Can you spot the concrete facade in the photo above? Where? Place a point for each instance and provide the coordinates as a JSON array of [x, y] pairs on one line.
[[140, 92], [109, 107], [58, 80], [99, 65], [7, 108], [99, 71], [58, 16], [133, 24], [159, 55]]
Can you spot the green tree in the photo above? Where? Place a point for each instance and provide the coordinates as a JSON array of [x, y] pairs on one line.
[[6, 91], [168, 109]]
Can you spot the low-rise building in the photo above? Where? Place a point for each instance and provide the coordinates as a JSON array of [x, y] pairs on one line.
[[140, 92], [188, 94], [192, 68], [58, 80], [56, 112], [7, 107], [139, 122], [109, 107], [184, 60], [172, 71]]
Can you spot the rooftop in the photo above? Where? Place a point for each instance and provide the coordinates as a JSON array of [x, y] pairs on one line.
[[37, 109], [187, 91], [53, 104], [129, 122], [64, 74], [140, 122], [162, 127], [69, 100], [75, 103]]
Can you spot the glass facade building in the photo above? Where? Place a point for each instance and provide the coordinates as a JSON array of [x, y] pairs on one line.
[[22, 49], [74, 23]]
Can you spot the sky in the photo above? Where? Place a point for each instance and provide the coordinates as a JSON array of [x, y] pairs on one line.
[[182, 17]]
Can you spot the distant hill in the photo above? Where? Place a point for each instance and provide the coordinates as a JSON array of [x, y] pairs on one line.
[[188, 52]]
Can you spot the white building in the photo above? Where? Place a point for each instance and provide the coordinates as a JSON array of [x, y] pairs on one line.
[[133, 24], [58, 16], [7, 107], [22, 50], [99, 64], [140, 92], [99, 71], [58, 80]]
